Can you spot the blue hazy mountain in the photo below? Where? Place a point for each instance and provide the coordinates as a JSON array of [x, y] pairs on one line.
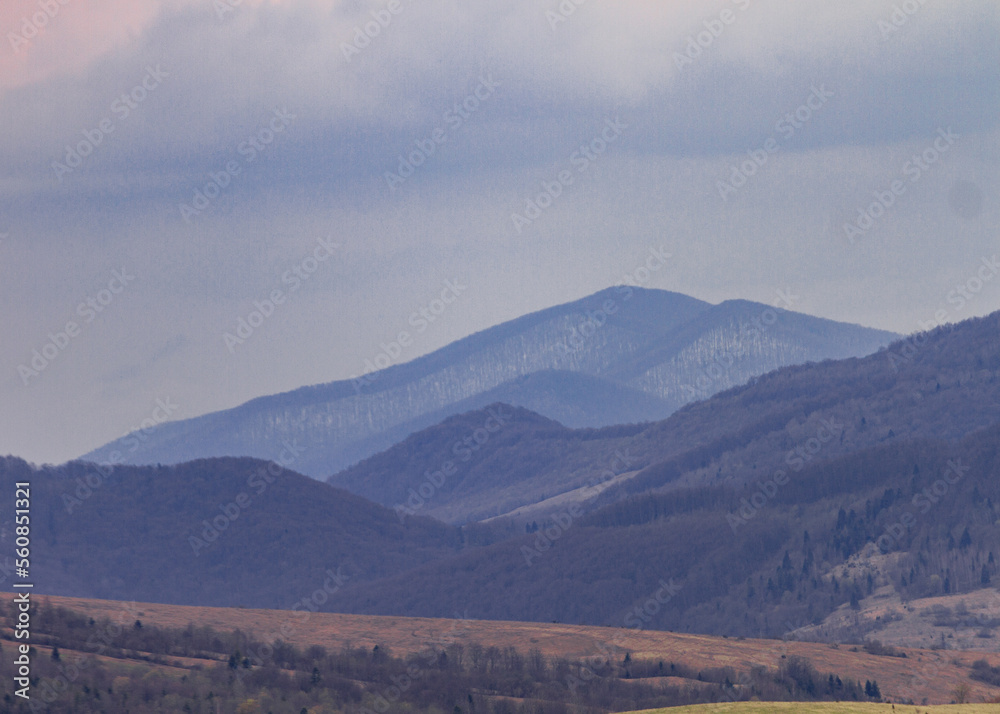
[[622, 355]]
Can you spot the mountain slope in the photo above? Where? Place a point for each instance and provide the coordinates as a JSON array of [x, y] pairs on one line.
[[938, 385], [735, 341], [701, 561], [646, 352], [220, 531], [762, 509], [946, 387], [483, 464], [897, 452]]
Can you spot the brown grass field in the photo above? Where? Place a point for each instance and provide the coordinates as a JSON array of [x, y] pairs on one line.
[[826, 708], [924, 674]]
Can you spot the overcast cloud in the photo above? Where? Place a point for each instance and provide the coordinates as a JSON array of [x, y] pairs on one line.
[[506, 93]]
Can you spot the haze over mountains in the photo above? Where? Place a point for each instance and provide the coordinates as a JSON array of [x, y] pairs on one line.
[[623, 355], [929, 386], [767, 507]]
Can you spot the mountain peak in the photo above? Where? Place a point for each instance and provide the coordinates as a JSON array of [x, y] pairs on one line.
[[623, 354]]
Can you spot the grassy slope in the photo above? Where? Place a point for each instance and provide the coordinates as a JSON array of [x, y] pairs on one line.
[[937, 672], [826, 708]]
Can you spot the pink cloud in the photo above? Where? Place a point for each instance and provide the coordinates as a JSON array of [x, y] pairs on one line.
[[67, 37], [72, 34]]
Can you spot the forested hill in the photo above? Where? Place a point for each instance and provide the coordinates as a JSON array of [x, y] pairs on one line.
[[938, 385], [485, 463], [769, 504], [943, 384], [916, 518], [217, 531]]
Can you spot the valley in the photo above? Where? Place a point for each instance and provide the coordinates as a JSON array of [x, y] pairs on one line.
[[771, 504]]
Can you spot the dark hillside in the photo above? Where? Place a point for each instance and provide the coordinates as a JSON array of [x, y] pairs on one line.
[[142, 533]]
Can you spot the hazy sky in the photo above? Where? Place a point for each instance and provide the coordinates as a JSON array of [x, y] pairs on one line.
[[621, 120]]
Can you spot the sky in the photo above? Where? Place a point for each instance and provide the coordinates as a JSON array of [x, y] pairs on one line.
[[205, 202]]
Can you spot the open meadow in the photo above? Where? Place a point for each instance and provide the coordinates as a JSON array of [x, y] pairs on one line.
[[923, 674], [826, 708]]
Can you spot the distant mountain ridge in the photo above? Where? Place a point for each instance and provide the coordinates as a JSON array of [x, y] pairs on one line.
[[928, 386], [773, 504], [622, 355], [769, 506]]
